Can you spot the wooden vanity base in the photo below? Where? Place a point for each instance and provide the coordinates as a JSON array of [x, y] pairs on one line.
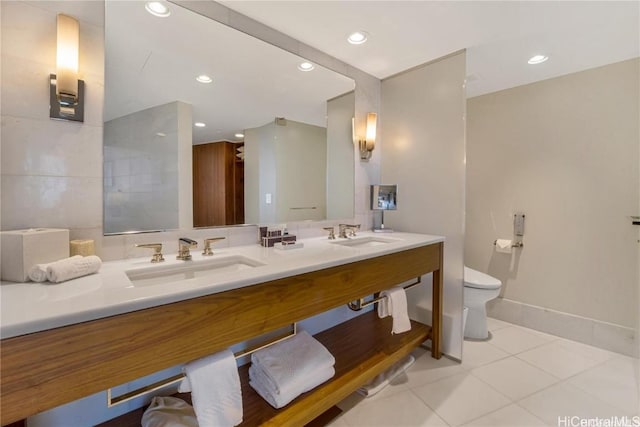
[[46, 369], [363, 348]]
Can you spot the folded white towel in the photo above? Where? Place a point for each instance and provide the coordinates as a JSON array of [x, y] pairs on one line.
[[258, 381], [215, 390], [384, 379], [394, 304], [292, 359], [72, 268], [169, 412], [38, 272]]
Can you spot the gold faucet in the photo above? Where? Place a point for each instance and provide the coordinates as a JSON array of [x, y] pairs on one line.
[[157, 247], [332, 232], [207, 245], [184, 244], [343, 228]]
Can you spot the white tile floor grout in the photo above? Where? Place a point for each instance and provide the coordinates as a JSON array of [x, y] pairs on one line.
[[520, 377]]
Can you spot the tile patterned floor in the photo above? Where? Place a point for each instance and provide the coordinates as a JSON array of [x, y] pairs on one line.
[[519, 378]]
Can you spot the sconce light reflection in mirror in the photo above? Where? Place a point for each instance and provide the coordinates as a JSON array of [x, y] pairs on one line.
[[66, 92], [368, 143]]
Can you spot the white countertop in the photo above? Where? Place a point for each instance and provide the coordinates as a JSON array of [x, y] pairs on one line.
[[32, 307]]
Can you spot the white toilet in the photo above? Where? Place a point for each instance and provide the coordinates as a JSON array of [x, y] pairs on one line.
[[479, 288]]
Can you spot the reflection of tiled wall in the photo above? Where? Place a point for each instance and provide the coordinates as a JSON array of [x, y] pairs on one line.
[[51, 170], [141, 170]]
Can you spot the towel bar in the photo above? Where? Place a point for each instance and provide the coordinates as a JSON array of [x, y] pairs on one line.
[[125, 397], [358, 305]]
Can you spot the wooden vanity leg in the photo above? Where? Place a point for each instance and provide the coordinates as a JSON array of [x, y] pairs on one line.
[[436, 321]]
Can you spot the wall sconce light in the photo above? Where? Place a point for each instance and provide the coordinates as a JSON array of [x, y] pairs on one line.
[[66, 92], [367, 144]]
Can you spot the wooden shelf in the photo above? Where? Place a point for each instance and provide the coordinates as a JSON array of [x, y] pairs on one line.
[[363, 348]]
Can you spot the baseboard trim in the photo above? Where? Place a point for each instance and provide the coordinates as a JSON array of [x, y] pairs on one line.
[[597, 333]]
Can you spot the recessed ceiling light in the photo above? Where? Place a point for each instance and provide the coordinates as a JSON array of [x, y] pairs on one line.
[[161, 134], [199, 124], [239, 135], [358, 37], [537, 59], [306, 66], [157, 8], [203, 78]]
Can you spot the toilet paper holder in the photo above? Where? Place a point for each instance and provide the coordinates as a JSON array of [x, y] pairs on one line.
[[519, 244]]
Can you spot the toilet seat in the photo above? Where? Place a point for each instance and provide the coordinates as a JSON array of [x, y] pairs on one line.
[[478, 280]]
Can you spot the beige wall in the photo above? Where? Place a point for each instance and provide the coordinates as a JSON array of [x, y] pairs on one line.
[[423, 130], [565, 152]]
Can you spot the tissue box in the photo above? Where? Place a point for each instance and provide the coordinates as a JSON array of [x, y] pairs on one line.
[[22, 249]]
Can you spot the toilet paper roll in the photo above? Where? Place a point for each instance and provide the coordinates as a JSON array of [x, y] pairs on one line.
[[503, 246]]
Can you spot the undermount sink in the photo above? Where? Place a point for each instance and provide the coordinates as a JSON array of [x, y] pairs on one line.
[[160, 274], [364, 242]]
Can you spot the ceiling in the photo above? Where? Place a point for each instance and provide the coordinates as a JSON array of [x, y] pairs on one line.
[[152, 61], [254, 82], [499, 36]]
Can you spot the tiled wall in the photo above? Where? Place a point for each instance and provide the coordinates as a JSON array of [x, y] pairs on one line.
[[51, 170], [141, 165]]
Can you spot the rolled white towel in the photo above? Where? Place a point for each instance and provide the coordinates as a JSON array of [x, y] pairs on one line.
[[292, 359], [72, 268], [311, 380], [38, 272], [394, 304]]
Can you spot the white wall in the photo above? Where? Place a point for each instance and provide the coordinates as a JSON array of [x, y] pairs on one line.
[[251, 177], [565, 152], [423, 129], [259, 174], [185, 166], [288, 163], [340, 154], [301, 172]]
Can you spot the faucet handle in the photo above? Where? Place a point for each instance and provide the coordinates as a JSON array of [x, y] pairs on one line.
[[207, 245], [185, 241], [157, 255], [353, 229], [332, 232]]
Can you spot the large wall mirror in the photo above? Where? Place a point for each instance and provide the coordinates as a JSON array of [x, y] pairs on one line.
[[262, 142]]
